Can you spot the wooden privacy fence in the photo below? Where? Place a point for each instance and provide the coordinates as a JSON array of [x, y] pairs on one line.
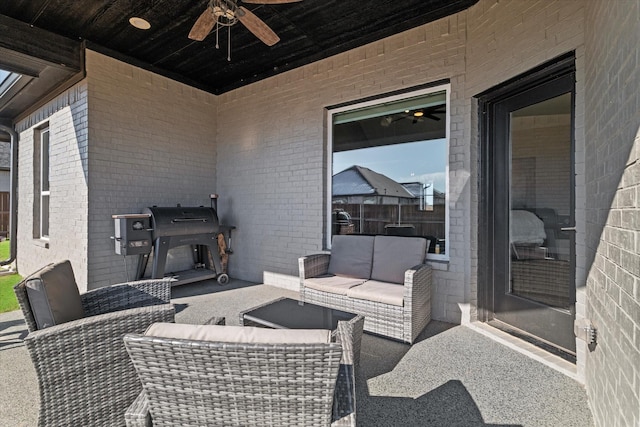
[[375, 218]]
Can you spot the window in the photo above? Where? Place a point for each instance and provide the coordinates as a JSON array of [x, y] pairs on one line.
[[41, 183], [389, 167], [7, 80]]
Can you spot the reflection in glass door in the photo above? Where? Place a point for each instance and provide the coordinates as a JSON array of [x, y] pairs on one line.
[[530, 211], [541, 207]]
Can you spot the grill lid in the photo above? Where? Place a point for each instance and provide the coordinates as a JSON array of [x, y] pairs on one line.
[[178, 221]]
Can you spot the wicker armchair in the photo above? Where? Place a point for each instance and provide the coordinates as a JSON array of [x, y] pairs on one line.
[[84, 373], [215, 383]]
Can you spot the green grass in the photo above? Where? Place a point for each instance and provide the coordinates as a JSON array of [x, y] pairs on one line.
[[4, 250], [8, 301]]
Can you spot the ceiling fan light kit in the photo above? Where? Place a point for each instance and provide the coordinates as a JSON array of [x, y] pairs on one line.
[[226, 13], [139, 23]]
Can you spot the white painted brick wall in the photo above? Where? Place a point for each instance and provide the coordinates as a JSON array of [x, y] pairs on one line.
[[543, 138], [152, 142], [121, 140], [272, 149], [612, 169], [505, 39], [67, 119]]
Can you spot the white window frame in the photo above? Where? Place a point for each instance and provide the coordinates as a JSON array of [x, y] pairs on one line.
[[44, 193], [397, 97]]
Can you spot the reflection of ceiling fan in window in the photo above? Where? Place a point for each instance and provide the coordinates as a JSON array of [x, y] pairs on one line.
[[226, 13], [416, 116]]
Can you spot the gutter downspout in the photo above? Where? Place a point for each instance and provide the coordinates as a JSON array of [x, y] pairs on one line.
[[13, 195]]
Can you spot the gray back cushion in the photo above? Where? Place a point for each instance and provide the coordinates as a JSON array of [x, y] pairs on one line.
[[351, 256], [53, 295], [393, 255]]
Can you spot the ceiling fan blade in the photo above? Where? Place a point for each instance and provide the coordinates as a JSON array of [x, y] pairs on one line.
[[435, 109], [270, 1], [203, 25], [257, 26]]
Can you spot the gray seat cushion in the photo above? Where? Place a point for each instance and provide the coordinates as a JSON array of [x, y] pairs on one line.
[[239, 334], [373, 290], [53, 295], [351, 256], [393, 255], [333, 284]]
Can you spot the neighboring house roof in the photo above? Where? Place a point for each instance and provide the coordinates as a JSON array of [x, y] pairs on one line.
[[415, 188], [361, 181]]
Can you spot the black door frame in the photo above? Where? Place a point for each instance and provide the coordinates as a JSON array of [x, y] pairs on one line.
[[487, 104]]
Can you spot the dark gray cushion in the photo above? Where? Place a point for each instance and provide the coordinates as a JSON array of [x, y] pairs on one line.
[[351, 256], [53, 295], [393, 255]]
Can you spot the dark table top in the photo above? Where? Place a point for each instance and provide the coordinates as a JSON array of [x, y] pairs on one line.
[[287, 313]]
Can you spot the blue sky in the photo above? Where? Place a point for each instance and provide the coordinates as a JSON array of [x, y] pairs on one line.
[[422, 161], [3, 75]]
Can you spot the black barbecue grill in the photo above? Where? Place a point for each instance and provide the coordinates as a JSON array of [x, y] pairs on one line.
[[171, 227], [182, 221]]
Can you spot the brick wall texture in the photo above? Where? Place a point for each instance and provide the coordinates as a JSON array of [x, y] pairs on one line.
[[540, 144], [152, 142], [279, 171], [127, 139], [612, 164], [66, 117], [121, 140]]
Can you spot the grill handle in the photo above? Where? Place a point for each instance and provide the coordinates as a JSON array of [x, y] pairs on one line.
[[188, 220]]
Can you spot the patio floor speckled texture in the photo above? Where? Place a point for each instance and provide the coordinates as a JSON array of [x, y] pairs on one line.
[[452, 375]]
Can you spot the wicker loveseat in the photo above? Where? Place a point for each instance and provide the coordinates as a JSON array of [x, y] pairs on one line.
[[75, 342], [383, 278]]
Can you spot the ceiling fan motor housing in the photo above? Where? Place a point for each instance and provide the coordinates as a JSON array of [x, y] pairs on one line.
[[224, 11]]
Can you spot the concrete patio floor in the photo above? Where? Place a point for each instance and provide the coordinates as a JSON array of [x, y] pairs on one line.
[[452, 375]]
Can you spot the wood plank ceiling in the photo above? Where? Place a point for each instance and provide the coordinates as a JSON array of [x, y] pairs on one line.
[[309, 30]]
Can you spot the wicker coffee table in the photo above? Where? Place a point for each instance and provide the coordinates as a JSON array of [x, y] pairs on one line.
[[287, 313]]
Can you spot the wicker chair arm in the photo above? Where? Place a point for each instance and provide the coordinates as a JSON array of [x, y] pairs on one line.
[[416, 280], [128, 295], [138, 414], [83, 366], [344, 403], [79, 335], [313, 265], [344, 337], [417, 301]]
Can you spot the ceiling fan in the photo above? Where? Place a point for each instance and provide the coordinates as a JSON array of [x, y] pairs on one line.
[[416, 116], [226, 13]]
